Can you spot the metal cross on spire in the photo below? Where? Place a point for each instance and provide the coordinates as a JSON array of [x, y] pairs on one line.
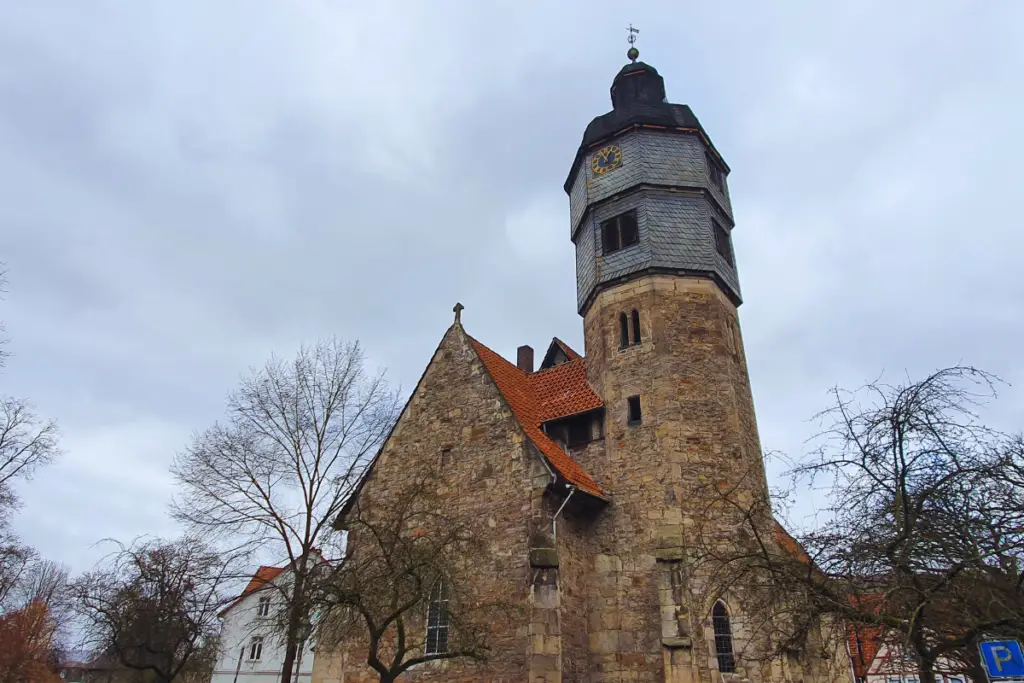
[[632, 53]]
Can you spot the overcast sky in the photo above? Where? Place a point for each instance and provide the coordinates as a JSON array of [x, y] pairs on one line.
[[188, 186]]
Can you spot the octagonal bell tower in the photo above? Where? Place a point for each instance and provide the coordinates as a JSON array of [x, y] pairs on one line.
[[658, 290], [652, 160]]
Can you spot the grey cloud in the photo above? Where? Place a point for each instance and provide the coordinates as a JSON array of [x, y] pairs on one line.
[[190, 186]]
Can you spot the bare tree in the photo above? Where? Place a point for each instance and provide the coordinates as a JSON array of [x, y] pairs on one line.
[[26, 443], [400, 595], [295, 441], [3, 330], [152, 607], [921, 538]]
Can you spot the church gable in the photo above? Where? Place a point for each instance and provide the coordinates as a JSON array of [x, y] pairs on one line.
[[455, 423]]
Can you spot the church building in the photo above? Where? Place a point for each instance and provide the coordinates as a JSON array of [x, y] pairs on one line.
[[583, 467]]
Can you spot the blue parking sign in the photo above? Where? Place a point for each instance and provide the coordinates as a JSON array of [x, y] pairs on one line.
[[1002, 659]]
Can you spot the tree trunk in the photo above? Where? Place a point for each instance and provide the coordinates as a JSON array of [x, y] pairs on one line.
[[294, 617], [927, 670]]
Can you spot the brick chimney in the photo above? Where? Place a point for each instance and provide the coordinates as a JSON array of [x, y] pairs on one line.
[[524, 359]]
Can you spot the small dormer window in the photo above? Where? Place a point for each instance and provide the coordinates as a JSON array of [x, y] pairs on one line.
[[723, 244], [619, 232]]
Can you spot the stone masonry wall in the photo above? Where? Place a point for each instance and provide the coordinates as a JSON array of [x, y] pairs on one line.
[[649, 620], [489, 476]]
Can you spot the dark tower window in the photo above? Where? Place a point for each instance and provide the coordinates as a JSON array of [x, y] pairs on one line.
[[623, 331], [636, 327], [714, 171], [723, 638], [619, 232], [634, 410], [722, 242]]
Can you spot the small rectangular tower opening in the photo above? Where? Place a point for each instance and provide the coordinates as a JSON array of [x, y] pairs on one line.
[[619, 232], [635, 417], [714, 171], [723, 244]]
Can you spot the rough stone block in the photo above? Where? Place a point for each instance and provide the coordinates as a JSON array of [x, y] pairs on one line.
[[543, 558]]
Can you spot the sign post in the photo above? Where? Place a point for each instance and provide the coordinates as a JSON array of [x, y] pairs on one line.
[[1003, 660]]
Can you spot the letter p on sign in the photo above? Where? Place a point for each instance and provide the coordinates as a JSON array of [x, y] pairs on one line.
[[1002, 658]]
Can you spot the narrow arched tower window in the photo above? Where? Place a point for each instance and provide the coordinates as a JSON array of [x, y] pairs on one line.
[[723, 638], [623, 331], [636, 327]]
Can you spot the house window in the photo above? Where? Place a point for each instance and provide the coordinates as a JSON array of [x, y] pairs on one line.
[[263, 608], [623, 331], [437, 620], [722, 242], [723, 638], [256, 648], [619, 232], [715, 173], [636, 326], [635, 416]]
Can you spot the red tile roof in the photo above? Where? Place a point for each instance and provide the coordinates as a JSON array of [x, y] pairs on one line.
[[865, 641], [790, 544], [262, 577], [561, 391]]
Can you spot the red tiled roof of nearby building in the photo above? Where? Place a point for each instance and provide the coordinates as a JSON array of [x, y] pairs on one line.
[[562, 391], [864, 643], [262, 577]]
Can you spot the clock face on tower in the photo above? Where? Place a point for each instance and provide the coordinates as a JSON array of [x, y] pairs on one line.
[[606, 159]]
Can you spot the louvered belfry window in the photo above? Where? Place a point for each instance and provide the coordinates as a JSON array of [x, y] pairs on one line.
[[619, 232]]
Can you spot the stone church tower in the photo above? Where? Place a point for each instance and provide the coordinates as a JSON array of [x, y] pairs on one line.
[[658, 290], [588, 470]]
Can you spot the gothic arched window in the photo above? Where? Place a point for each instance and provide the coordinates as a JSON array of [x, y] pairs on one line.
[[623, 331], [723, 638], [437, 620], [636, 327]]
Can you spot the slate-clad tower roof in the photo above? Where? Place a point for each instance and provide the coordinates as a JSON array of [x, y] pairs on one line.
[[653, 158]]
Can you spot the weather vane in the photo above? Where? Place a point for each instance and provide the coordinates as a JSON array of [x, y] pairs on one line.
[[632, 53]]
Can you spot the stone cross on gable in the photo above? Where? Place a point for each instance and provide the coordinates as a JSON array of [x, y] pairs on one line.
[[458, 312]]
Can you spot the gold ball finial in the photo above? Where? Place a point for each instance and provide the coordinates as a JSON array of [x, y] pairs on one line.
[[632, 52]]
